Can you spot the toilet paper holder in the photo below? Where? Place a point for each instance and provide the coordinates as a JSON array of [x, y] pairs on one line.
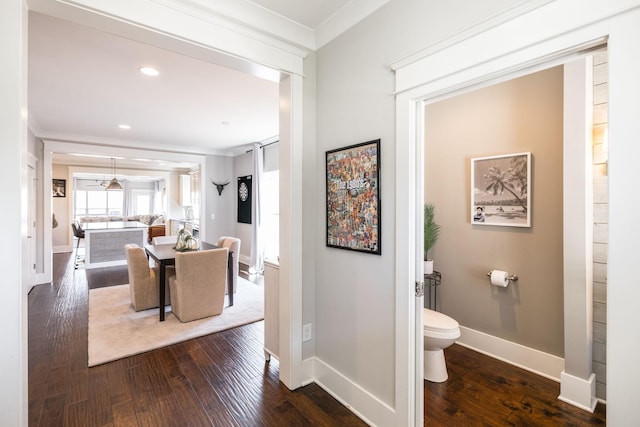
[[512, 277]]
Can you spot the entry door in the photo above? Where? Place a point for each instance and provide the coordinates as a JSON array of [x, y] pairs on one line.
[[31, 232]]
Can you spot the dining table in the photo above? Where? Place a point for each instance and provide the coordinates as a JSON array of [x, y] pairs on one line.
[[165, 255]]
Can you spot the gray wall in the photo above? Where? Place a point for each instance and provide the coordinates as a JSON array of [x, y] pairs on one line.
[[354, 292], [520, 115], [220, 169], [243, 166]]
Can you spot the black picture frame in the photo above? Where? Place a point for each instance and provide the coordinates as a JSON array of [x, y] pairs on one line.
[[353, 205], [245, 189], [59, 187]]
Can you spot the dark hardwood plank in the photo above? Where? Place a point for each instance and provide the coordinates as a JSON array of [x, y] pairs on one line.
[[222, 379], [484, 391]]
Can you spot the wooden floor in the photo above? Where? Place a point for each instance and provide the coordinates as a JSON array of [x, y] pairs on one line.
[[218, 380], [223, 380], [483, 391]]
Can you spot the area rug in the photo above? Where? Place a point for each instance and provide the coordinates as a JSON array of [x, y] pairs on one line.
[[117, 331]]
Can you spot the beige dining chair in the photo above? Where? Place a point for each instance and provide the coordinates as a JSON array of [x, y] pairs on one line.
[[164, 240], [233, 244], [143, 280], [197, 289]]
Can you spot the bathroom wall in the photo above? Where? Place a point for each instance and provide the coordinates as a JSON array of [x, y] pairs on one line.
[[519, 115]]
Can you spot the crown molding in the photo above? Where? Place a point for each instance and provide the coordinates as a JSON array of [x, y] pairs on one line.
[[352, 13], [520, 8]]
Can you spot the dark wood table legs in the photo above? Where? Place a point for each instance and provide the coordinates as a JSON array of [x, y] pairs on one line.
[[230, 277]]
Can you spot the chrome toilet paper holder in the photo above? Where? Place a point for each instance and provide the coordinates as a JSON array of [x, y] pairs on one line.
[[512, 277]]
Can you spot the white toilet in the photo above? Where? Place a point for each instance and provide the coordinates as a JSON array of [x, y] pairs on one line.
[[440, 331]]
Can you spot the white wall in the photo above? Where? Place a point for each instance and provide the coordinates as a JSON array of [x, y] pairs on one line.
[[355, 293], [219, 169], [13, 218]]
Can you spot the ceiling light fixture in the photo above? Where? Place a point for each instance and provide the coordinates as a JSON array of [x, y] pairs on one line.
[[113, 184], [124, 126], [149, 71]]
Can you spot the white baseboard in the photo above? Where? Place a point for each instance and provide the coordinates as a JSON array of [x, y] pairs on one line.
[[578, 392], [42, 278], [244, 259], [62, 249], [363, 404], [538, 362]]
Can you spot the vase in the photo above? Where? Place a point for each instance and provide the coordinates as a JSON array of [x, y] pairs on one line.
[[428, 266]]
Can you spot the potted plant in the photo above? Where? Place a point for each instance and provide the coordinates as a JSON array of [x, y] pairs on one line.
[[431, 232]]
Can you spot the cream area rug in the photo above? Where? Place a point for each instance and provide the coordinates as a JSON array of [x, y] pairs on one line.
[[117, 331]]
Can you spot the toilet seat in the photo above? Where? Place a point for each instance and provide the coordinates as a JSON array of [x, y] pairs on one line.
[[438, 325]]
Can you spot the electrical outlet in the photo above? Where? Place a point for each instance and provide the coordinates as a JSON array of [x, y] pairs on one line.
[[306, 332]]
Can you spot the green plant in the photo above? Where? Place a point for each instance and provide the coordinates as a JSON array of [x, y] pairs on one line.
[[431, 228]]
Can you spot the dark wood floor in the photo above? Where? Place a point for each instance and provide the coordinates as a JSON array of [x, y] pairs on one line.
[[217, 380], [223, 380], [483, 391]]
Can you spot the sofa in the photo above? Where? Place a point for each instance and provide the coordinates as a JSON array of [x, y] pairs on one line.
[[156, 223]]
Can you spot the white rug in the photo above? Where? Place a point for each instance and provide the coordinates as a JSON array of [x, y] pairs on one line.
[[117, 331]]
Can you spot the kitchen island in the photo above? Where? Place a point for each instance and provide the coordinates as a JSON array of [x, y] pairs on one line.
[[104, 241]]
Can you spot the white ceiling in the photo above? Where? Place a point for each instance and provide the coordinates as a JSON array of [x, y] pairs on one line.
[[83, 83]]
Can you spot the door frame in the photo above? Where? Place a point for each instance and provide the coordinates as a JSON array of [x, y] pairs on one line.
[[484, 59]]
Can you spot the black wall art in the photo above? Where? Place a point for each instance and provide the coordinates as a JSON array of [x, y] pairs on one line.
[[244, 199]]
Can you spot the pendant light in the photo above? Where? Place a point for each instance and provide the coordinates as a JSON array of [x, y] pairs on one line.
[[113, 184]]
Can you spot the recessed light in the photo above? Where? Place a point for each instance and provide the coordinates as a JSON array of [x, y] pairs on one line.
[[149, 71], [124, 126]]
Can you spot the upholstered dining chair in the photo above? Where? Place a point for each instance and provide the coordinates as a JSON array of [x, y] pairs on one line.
[[164, 240], [197, 289], [143, 281], [233, 244]]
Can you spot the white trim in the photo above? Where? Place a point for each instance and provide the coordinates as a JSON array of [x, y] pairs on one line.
[[308, 371], [41, 279], [407, 357], [48, 249], [290, 292], [523, 44], [247, 20], [503, 16], [354, 397], [352, 13], [577, 207], [476, 58], [578, 392], [530, 359], [226, 43]]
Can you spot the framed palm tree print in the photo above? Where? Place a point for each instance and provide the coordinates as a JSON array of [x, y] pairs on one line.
[[500, 190]]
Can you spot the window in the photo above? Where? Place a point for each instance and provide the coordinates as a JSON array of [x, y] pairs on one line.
[[139, 197], [141, 202], [98, 203]]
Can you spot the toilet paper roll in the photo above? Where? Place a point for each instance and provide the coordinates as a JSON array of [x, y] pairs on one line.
[[499, 278]]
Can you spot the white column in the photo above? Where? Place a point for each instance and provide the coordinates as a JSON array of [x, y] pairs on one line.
[[578, 385], [13, 216]]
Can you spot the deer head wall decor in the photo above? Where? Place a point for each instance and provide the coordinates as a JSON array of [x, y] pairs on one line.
[[220, 187]]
